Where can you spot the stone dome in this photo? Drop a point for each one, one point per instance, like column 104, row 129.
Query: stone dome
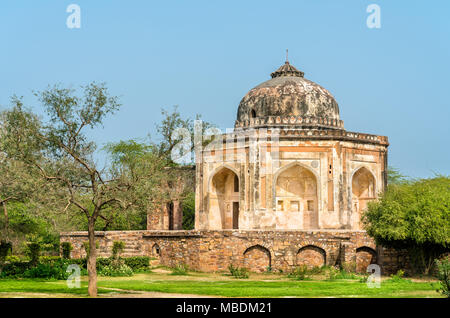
column 288, row 99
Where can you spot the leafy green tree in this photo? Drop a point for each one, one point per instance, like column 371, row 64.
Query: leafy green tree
column 394, row 176
column 60, row 150
column 413, row 215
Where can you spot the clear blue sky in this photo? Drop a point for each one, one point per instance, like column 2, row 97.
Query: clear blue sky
column 205, row 55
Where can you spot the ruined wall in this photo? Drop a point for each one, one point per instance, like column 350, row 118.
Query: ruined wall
column 256, row 250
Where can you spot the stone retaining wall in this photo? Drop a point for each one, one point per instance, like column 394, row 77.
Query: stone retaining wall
column 257, row 250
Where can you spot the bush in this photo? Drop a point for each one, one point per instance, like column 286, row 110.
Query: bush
column 333, row 273
column 138, row 263
column 14, row 269
column 66, row 248
column 181, row 269
column 238, row 272
column 397, row 277
column 118, row 247
column 86, row 246
column 443, row 274
column 117, row 267
column 45, row 271
column 33, row 251
column 299, row 273
column 5, row 249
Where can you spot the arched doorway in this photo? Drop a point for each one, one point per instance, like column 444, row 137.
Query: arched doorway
column 311, row 256
column 296, row 191
column 364, row 257
column 257, row 259
column 224, row 200
column 363, row 191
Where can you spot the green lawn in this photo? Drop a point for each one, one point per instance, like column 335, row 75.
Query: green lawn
column 259, row 285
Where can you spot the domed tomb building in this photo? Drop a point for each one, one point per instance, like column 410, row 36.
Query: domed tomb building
column 289, row 164
column 285, row 187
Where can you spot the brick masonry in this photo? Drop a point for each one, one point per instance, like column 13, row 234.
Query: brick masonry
column 257, row 250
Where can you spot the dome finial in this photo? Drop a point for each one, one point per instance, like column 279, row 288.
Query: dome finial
column 287, row 69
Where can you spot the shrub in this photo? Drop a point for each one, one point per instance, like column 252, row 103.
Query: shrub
column 180, row 269
column 5, row 249
column 44, row 271
column 443, row 274
column 14, row 269
column 12, row 259
column 33, row 251
column 397, row 277
column 238, row 272
column 299, row 273
column 66, row 248
column 117, row 267
column 118, row 247
column 333, row 273
column 138, row 263
column 86, row 246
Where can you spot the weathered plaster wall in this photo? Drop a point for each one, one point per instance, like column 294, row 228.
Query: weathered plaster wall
column 259, row 160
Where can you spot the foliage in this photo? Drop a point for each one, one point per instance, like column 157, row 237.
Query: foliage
column 413, row 215
column 116, row 268
column 189, row 211
column 117, row 249
column 34, row 246
column 394, row 176
column 238, row 272
column 66, row 249
column 299, row 273
column 180, row 269
column 5, row 249
column 87, row 247
column 443, row 274
column 138, row 263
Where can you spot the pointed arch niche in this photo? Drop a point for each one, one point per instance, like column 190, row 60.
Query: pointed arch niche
column 296, row 193
column 363, row 191
column 224, row 200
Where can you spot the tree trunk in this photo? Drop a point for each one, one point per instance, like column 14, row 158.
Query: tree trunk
column 92, row 260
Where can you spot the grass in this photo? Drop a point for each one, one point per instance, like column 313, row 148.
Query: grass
column 43, row 286
column 218, row 284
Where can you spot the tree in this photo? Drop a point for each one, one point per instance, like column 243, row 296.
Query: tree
column 394, row 176
column 60, row 151
column 413, row 215
column 157, row 179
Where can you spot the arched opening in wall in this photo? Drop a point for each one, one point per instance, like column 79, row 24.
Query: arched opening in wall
column 224, row 199
column 364, row 257
column 257, row 259
column 252, row 113
column 363, row 191
column 156, row 250
column 311, row 256
column 296, row 191
column 171, row 215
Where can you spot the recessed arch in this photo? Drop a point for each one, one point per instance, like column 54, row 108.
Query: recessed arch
column 363, row 190
column 257, row 258
column 224, row 198
column 296, row 190
column 364, row 257
column 156, row 250
column 311, row 256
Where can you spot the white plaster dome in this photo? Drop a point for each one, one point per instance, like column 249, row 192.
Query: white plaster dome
column 288, row 99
